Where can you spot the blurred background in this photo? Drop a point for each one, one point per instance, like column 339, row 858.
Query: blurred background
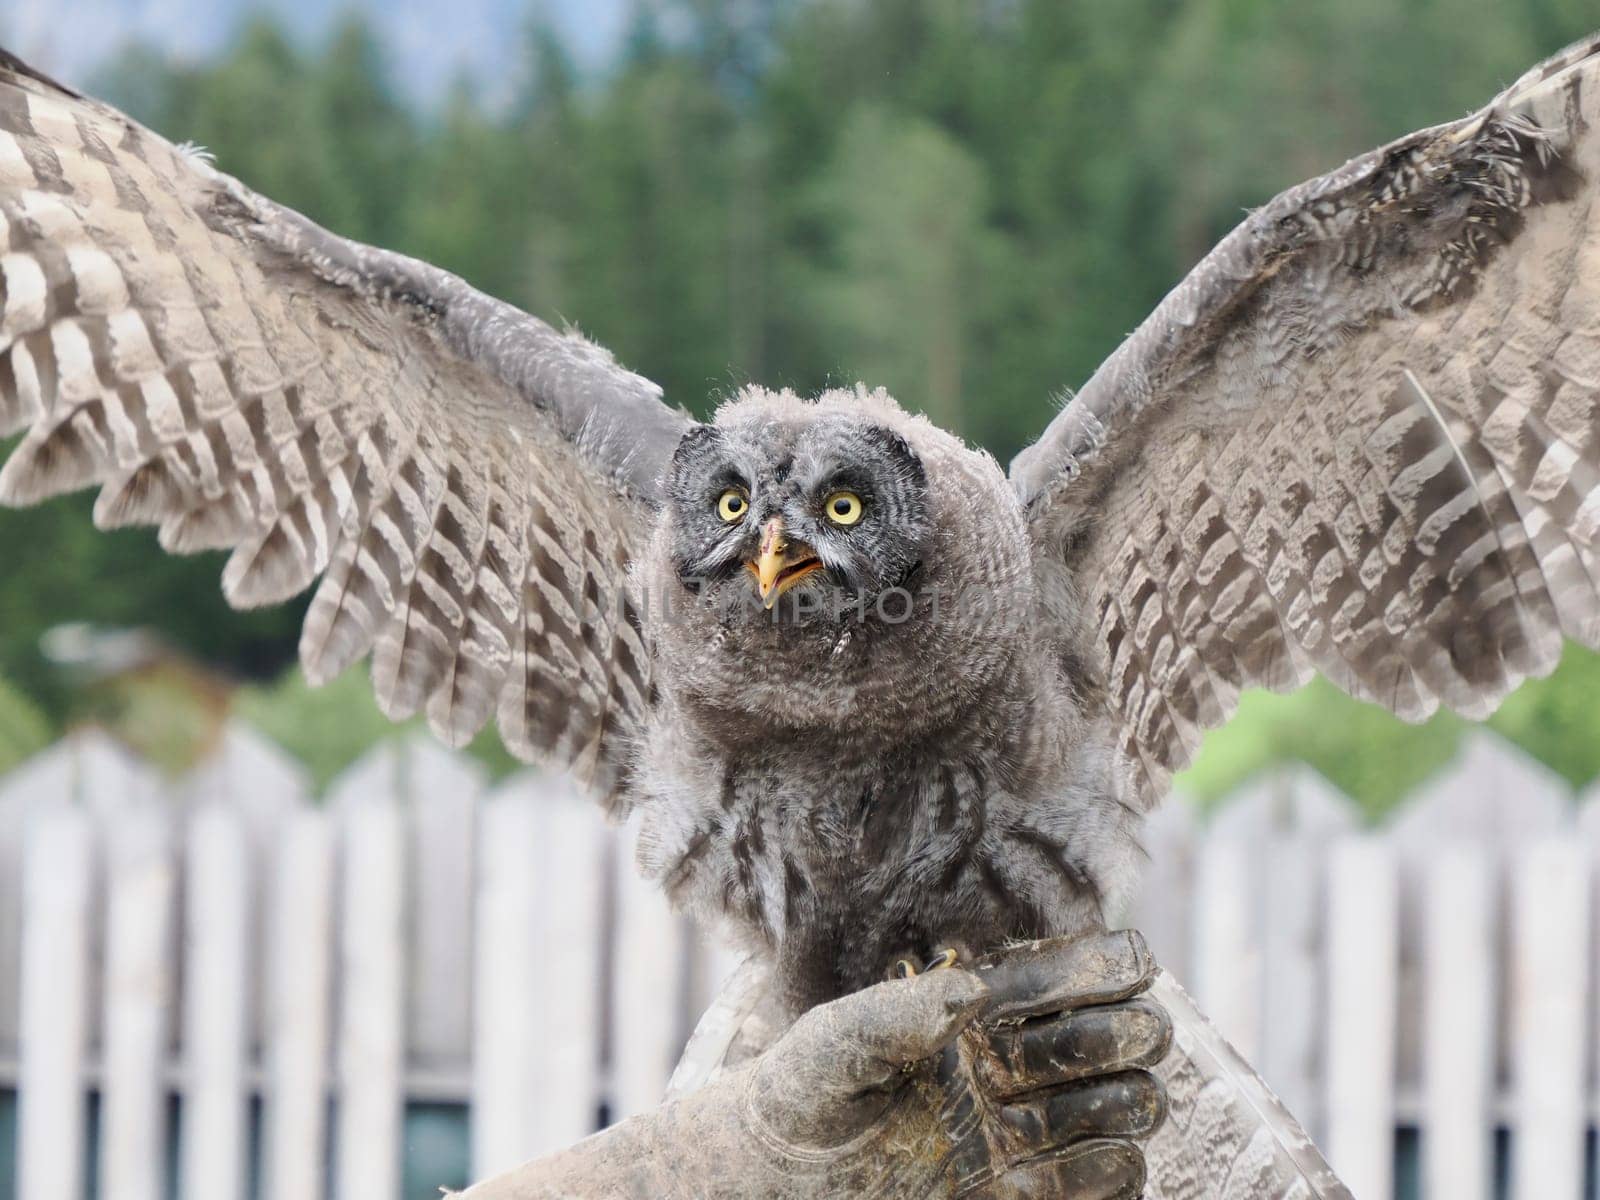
column 968, row 202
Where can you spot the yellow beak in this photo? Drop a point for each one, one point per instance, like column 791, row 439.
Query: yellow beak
column 778, row 566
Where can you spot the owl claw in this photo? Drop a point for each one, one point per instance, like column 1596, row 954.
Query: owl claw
column 906, row 969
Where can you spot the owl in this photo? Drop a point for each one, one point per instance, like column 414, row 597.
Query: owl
column 873, row 699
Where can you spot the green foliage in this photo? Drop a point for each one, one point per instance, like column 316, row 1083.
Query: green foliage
column 326, row 728
column 908, row 209
column 968, row 203
column 23, row 728
column 1360, row 748
column 330, row 727
column 1558, row 719
column 58, row 568
column 1378, row 759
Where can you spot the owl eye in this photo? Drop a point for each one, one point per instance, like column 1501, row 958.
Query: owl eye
column 731, row 505
column 843, row 508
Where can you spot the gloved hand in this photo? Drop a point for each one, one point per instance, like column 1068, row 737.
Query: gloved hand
column 1019, row 1078
column 1057, row 1060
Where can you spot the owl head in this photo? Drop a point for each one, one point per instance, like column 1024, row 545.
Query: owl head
column 796, row 518
column 818, row 558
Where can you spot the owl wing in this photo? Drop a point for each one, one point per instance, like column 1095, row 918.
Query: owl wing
column 1362, row 438
column 470, row 483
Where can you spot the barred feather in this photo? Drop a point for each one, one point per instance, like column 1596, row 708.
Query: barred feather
column 1361, row 438
column 230, row 372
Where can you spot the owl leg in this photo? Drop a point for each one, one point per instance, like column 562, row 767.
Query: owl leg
column 906, row 969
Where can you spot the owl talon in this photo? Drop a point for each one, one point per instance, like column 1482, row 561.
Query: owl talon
column 906, row 969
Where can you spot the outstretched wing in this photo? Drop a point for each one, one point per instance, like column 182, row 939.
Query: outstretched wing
column 1362, row 438
column 470, row 483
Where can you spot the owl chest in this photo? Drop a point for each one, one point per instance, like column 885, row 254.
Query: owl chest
column 836, row 864
column 808, row 843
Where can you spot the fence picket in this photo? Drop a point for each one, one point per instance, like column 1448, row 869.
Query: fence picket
column 57, row 886
column 538, row 972
column 87, row 769
column 1285, row 822
column 1227, row 953
column 506, row 980
column 253, row 777
column 1291, row 1002
column 1458, row 1023
column 1588, row 827
column 141, row 898
column 1495, row 796
column 441, row 791
column 44, row 779
column 371, row 1047
column 572, row 936
column 1162, row 906
column 416, row 939
column 649, row 987
column 1550, row 890
column 217, row 974
column 1363, row 907
column 300, row 948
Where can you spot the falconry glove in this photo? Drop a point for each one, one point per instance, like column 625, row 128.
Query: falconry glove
column 1023, row 1077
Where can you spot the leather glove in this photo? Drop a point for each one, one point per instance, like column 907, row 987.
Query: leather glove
column 1020, row 1078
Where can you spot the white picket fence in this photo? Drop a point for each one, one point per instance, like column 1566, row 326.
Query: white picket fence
column 419, row 936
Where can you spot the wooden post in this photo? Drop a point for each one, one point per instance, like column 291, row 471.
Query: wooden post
column 540, row 913
column 1588, row 828
column 297, row 1018
column 371, row 1014
column 1458, row 1026
column 1493, row 797
column 43, row 782
column 1363, row 907
column 440, row 791
column 262, row 786
column 1227, row 953
column 504, row 1084
column 648, row 987
column 1550, row 922
column 1284, row 824
column 141, row 899
column 57, row 884
column 212, row 1161
column 1162, row 907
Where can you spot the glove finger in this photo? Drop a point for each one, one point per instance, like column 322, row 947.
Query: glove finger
column 865, row 1039
column 1062, row 973
column 1098, row 1170
column 1089, row 1041
column 1130, row 1105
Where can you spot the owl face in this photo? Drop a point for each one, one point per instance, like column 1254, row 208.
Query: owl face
column 790, row 518
column 833, row 567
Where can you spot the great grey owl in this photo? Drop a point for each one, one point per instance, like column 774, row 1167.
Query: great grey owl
column 874, row 696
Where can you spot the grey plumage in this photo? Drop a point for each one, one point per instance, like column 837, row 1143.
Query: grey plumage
column 1360, row 438
column 468, row 481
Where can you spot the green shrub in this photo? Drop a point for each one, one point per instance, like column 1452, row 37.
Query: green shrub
column 23, row 728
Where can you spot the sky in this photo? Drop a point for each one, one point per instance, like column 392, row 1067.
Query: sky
column 430, row 42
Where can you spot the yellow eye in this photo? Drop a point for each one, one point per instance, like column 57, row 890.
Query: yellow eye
column 731, row 505
column 843, row 508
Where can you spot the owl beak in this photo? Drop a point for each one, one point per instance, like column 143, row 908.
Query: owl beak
column 780, row 564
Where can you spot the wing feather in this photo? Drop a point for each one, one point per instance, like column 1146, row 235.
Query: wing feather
column 1361, row 438
column 470, row 484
